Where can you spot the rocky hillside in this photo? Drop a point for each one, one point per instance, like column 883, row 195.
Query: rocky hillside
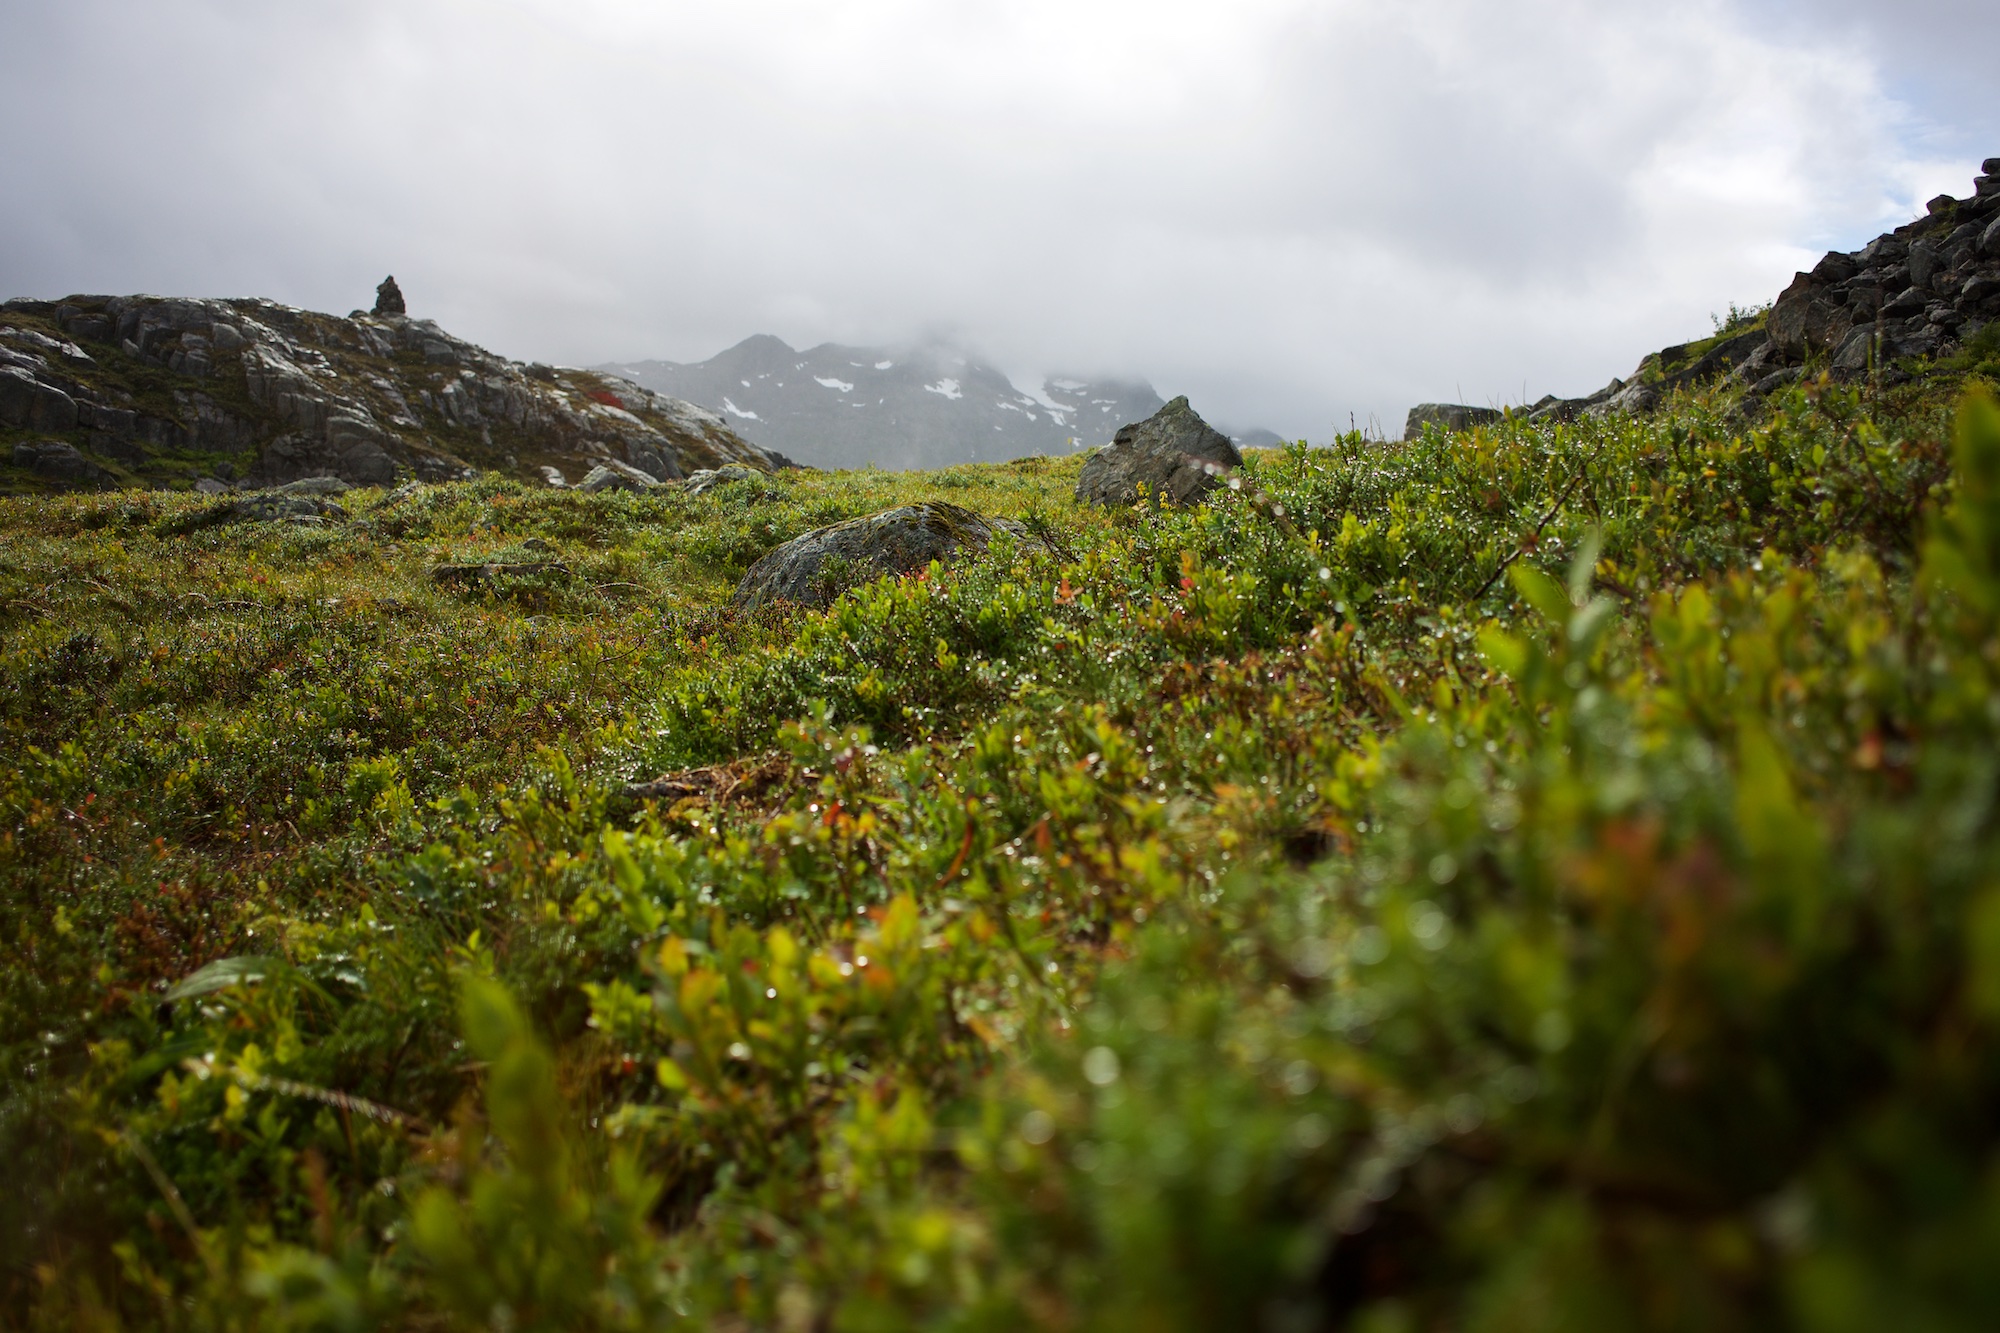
column 833, row 406
column 1925, row 290
column 143, row 390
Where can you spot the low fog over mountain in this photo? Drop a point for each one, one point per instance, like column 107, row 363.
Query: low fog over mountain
column 833, row 406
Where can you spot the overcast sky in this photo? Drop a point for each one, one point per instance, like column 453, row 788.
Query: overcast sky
column 1292, row 211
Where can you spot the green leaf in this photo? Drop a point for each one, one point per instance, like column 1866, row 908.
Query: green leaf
column 1587, row 626
column 489, row 1018
column 1983, row 944
column 1582, row 566
column 1541, row 592
column 1508, row 654
column 224, row 973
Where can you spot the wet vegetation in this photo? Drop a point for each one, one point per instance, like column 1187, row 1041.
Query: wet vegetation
column 1540, row 878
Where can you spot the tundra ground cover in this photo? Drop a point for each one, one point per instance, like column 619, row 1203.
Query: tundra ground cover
column 1536, row 878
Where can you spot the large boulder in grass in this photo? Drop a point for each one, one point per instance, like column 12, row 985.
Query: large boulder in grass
column 815, row 569
column 615, row 476
column 1174, row 454
column 1450, row 417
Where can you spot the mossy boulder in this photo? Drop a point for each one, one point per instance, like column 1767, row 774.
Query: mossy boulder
column 815, row 569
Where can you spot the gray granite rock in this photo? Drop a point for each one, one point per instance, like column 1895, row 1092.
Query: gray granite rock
column 1774, row 381
column 1856, row 351
column 17, row 394
column 554, row 477
column 313, row 486
column 1926, row 262
column 56, row 460
column 1634, row 398
column 615, row 476
column 54, row 410
column 1173, row 454
column 1451, row 417
column 279, row 506
column 708, row 479
column 1904, row 304
column 816, row 568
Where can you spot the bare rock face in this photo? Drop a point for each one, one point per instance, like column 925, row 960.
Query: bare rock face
column 815, row 569
column 372, row 399
column 1173, row 454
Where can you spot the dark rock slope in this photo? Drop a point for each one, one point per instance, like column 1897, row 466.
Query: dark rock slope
column 1920, row 291
column 153, row 391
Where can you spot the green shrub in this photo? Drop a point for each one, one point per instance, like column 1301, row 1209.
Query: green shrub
column 1534, row 878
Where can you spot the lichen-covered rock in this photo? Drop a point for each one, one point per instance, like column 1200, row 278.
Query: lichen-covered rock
column 279, row 506
column 1174, row 454
column 315, row 486
column 617, row 477
column 815, row 569
column 708, row 479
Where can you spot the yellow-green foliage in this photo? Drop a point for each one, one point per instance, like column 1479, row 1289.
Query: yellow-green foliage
column 1544, row 878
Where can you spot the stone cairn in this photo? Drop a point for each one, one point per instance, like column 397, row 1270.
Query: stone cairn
column 389, row 298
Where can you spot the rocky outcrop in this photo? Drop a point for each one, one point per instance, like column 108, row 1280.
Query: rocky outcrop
column 815, row 569
column 1173, row 454
column 1919, row 291
column 271, row 393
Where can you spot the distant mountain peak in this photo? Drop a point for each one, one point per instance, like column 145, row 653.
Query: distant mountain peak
column 923, row 405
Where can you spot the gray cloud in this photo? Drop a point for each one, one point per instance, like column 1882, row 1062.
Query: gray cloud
column 1293, row 210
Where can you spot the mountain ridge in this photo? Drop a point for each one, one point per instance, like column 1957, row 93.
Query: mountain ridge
column 915, row 406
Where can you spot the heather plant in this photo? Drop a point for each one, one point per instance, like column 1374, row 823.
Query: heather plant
column 1538, row 877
